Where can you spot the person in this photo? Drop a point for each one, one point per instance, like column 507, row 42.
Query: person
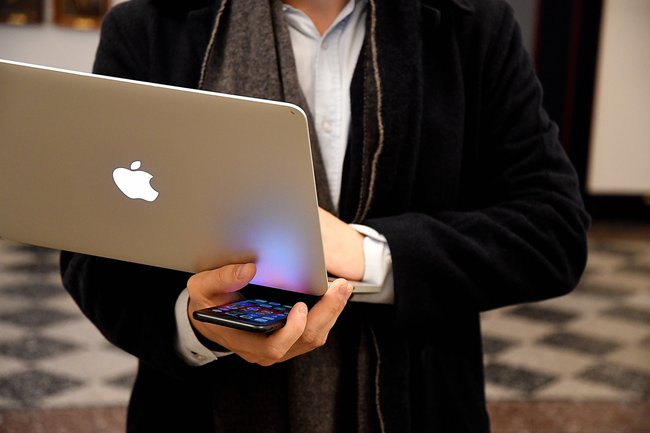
column 439, row 175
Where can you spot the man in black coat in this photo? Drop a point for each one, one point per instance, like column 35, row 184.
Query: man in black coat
column 450, row 160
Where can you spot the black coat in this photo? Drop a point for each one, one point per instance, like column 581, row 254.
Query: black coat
column 474, row 194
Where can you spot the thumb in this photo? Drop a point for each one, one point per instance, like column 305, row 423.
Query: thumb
column 225, row 279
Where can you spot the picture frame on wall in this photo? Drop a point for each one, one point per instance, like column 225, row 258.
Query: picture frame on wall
column 80, row 14
column 21, row 12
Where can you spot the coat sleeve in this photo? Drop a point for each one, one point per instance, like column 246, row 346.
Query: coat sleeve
column 132, row 305
column 520, row 233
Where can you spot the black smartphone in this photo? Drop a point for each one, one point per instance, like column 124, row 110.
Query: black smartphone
column 255, row 315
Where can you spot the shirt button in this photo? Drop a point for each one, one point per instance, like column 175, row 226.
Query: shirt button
column 327, row 127
column 325, row 45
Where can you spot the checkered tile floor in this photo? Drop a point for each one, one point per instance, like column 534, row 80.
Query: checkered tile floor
column 50, row 355
column 592, row 345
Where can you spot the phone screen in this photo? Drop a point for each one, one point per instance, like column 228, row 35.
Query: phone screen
column 257, row 315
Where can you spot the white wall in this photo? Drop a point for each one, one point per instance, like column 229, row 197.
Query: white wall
column 49, row 45
column 620, row 140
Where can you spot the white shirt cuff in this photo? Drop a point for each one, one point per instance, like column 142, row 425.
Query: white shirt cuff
column 188, row 347
column 378, row 267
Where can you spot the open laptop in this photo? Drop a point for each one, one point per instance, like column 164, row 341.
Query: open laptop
column 164, row 176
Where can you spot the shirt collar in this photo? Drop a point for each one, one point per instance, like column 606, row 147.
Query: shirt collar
column 298, row 19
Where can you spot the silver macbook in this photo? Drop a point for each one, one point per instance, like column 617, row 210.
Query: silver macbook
column 164, row 176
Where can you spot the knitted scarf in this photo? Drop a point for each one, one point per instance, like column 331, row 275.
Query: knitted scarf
column 332, row 389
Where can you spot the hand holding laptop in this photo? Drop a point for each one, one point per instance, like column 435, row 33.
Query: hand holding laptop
column 343, row 247
column 344, row 255
column 303, row 332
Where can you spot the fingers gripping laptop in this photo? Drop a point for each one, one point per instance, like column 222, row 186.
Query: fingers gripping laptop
column 170, row 177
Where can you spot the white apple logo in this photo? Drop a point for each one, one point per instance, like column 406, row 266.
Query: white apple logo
column 134, row 183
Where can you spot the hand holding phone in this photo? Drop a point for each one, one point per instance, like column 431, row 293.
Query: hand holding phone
column 303, row 330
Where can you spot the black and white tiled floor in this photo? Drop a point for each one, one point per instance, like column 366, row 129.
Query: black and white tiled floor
column 592, row 345
column 50, row 355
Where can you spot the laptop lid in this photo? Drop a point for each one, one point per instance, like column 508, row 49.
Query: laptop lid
column 153, row 174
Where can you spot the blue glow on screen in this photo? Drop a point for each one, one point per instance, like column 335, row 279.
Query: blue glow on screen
column 280, row 263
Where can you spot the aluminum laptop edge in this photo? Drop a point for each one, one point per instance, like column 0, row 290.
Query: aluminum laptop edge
column 164, row 176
